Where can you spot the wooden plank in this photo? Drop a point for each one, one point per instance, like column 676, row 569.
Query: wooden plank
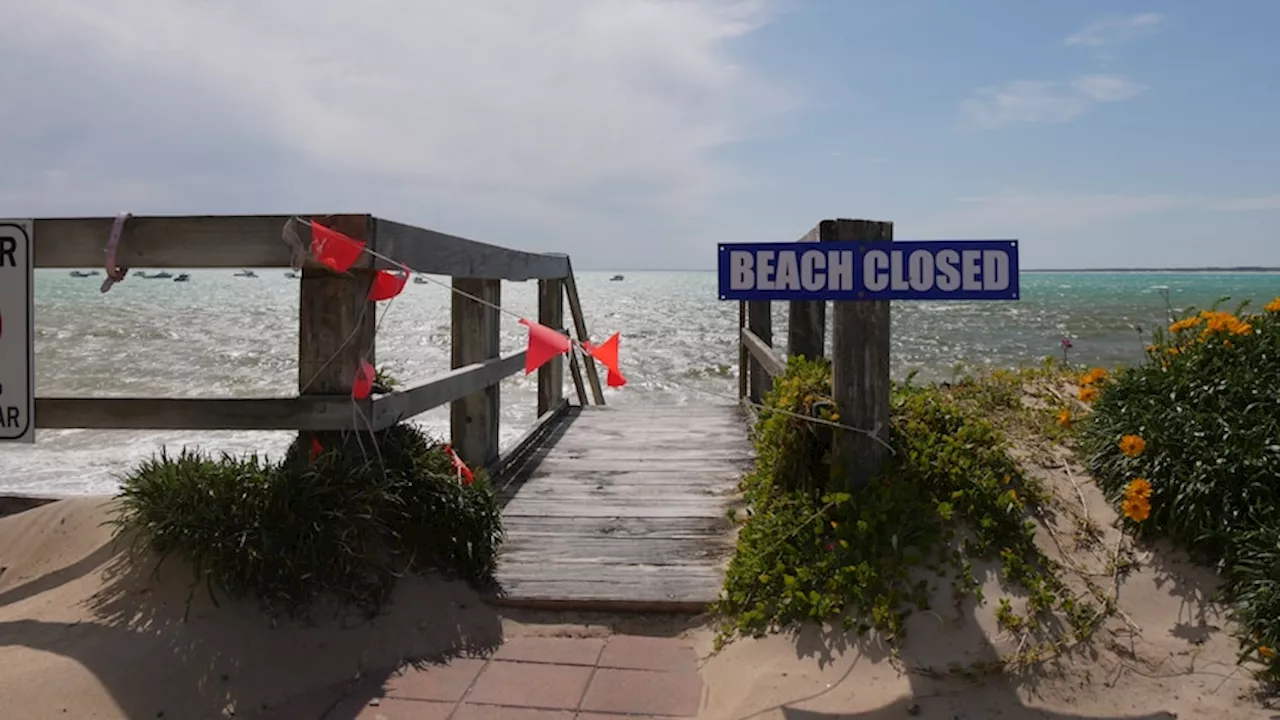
column 588, row 528
column 192, row 241
column 549, row 464
column 860, row 369
column 526, row 449
column 436, row 253
column 565, row 586
column 552, row 507
column 576, row 373
column 580, row 325
column 532, row 549
column 743, row 356
column 760, row 324
column 807, row 320
column 764, row 356
column 453, row 385
column 316, row 413
column 551, row 314
column 718, row 473
column 476, row 339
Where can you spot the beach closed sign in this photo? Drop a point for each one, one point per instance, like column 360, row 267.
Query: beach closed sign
column 908, row 270
column 17, row 356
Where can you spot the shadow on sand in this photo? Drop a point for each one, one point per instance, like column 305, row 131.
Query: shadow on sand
column 161, row 648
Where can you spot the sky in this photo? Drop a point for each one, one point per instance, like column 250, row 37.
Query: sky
column 638, row 134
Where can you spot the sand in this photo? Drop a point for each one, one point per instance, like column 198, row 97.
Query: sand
column 86, row 631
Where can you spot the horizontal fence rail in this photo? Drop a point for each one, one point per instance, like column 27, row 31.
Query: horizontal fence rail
column 337, row 326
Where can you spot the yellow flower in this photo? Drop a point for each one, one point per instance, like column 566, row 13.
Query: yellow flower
column 1093, row 376
column 1185, row 324
column 1266, row 652
column 1138, row 489
column 1088, row 394
column 1175, row 350
column 1132, row 445
column 1273, row 306
column 1064, row 418
column 1242, row 328
column 1151, row 348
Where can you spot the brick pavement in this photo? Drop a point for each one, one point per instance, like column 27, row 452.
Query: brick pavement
column 531, row 678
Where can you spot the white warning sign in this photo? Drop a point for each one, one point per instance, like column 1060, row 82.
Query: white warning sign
column 17, row 332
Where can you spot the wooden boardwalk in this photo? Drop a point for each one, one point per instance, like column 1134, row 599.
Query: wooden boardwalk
column 625, row 508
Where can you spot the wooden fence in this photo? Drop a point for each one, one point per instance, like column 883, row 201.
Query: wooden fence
column 336, row 328
column 859, row 356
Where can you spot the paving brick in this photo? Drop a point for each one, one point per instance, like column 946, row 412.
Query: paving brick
column 533, row 685
column 469, row 711
column 635, row 652
column 563, row 651
column 392, row 709
column 446, row 683
column 644, row 692
column 602, row 716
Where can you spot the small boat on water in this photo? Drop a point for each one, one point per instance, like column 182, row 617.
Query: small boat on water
column 162, row 275
column 83, row 274
column 181, row 278
column 419, row 280
column 247, row 274
column 292, row 275
column 616, row 278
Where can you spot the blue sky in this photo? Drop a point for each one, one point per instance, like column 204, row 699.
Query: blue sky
column 639, row 133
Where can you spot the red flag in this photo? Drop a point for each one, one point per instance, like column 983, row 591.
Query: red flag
column 387, row 284
column 362, row 386
column 607, row 354
column 333, row 249
column 316, row 448
column 544, row 344
column 459, row 467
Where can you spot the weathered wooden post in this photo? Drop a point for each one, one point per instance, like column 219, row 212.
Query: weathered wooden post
column 551, row 314
column 473, row 420
column 760, row 323
column 336, row 320
column 807, row 319
column 860, row 369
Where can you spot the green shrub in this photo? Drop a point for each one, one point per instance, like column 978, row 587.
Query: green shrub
column 1206, row 404
column 346, row 524
column 951, row 493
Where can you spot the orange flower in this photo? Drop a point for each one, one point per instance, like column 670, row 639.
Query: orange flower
column 1266, row 652
column 1136, row 509
column 1088, row 394
column 1064, row 418
column 1093, row 377
column 1132, row 445
column 1175, row 350
column 1138, row 488
column 1273, row 306
column 1185, row 324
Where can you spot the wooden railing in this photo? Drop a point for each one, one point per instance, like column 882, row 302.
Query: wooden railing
column 859, row 355
column 336, row 328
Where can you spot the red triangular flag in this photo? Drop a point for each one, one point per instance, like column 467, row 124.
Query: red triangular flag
column 544, row 344
column 607, row 354
column 316, row 448
column 387, row 284
column 362, row 386
column 459, row 467
column 333, row 249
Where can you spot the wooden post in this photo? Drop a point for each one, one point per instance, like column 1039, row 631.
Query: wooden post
column 860, row 370
column 807, row 320
column 551, row 314
column 760, row 323
column 336, row 321
column 473, row 420
column 744, row 356
column 580, row 324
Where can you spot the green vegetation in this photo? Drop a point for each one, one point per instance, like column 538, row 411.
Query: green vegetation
column 346, row 523
column 951, row 495
column 1189, row 444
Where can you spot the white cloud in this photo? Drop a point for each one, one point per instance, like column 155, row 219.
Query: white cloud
column 1015, row 213
column 1025, row 101
column 505, row 105
column 1115, row 29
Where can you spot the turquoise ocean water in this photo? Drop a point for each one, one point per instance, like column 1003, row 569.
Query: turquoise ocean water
column 225, row 336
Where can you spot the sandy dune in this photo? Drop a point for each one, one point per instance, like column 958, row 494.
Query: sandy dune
column 86, row 632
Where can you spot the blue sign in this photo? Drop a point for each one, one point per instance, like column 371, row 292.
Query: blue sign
column 913, row 270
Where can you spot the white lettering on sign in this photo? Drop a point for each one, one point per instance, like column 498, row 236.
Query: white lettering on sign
column 922, row 270
column 810, row 270
column 17, row 357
